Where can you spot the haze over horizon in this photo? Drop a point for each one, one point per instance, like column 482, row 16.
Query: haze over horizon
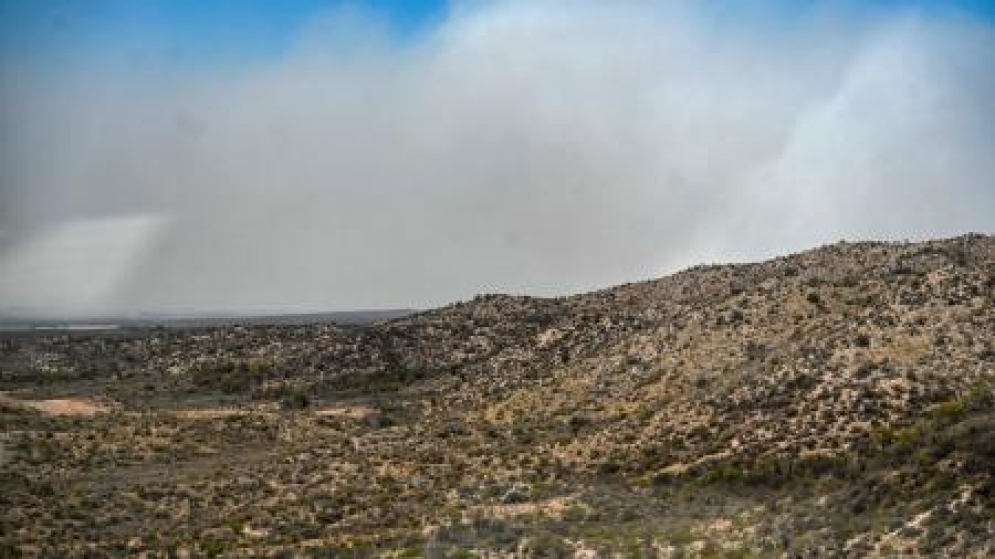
column 321, row 156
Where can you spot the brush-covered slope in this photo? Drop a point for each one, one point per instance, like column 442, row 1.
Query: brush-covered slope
column 837, row 402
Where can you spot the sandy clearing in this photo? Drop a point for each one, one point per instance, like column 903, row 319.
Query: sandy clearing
column 210, row 413
column 550, row 507
column 349, row 412
column 60, row 406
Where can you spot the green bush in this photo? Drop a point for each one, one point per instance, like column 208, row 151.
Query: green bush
column 295, row 400
column 949, row 411
column 229, row 376
column 391, row 380
column 724, row 473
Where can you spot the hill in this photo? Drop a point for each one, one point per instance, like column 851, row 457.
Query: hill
column 837, row 402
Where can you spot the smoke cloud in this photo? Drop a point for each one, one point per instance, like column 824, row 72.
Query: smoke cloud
column 542, row 148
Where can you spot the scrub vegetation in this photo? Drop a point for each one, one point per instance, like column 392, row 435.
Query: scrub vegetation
column 834, row 403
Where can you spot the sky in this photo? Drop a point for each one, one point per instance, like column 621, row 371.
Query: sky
column 305, row 155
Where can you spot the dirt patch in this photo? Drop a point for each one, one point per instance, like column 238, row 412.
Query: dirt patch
column 210, row 413
column 348, row 412
column 59, row 406
column 554, row 507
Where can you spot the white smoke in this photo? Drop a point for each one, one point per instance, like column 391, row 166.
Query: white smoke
column 76, row 267
column 539, row 147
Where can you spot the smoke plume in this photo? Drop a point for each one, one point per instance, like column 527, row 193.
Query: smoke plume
column 540, row 148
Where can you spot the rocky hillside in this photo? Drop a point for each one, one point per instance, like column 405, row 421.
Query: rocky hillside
column 837, row 402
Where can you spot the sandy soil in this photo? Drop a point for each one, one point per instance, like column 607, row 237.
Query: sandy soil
column 60, row 406
column 350, row 412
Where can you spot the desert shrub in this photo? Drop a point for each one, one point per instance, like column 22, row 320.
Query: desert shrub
column 974, row 439
column 766, row 470
column 547, row 546
column 700, row 431
column 679, row 537
column 723, row 473
column 574, row 513
column 412, row 552
column 214, row 547
column 962, row 429
column 390, row 380
column 577, row 422
column 820, row 465
column 899, row 439
column 755, row 351
column 295, row 400
column 229, row 376
column 609, row 468
column 949, row 411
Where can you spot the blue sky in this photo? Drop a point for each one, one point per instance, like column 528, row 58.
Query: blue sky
column 195, row 31
column 184, row 31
